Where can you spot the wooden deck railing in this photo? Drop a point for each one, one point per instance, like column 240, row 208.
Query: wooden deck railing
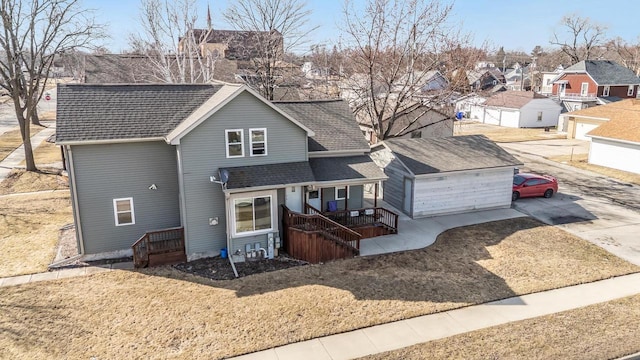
column 303, row 242
column 156, row 243
column 365, row 217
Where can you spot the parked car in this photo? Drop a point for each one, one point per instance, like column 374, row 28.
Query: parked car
column 530, row 185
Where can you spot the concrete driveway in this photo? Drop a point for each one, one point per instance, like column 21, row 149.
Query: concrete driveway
column 549, row 148
column 594, row 207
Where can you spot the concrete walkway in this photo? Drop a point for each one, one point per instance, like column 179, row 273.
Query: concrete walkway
column 63, row 274
column 14, row 159
column 420, row 233
column 400, row 334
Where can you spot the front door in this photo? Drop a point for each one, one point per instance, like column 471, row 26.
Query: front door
column 406, row 203
column 562, row 88
column 314, row 198
column 293, row 198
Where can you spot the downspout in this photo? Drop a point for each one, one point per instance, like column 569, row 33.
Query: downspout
column 74, row 195
column 227, row 199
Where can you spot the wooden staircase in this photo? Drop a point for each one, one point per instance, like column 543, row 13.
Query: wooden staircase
column 159, row 247
column 316, row 238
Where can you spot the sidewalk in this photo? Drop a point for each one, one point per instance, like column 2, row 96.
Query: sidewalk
column 64, row 273
column 426, row 328
column 14, row 159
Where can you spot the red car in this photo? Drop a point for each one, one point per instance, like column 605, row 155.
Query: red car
column 530, row 185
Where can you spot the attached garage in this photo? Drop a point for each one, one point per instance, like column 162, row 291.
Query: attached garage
column 430, row 177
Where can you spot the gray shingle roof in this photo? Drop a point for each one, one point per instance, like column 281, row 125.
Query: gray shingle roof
column 332, row 121
column 269, row 175
column 430, row 156
column 110, row 112
column 605, row 72
column 345, row 168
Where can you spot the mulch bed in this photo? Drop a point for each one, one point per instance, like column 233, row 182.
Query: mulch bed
column 217, row 268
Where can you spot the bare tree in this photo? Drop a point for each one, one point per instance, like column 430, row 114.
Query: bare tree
column 581, row 38
column 625, row 53
column 171, row 42
column 275, row 27
column 395, row 47
column 34, row 32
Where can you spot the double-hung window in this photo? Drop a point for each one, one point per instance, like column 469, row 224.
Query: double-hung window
column 123, row 211
column 630, row 90
column 252, row 214
column 605, row 91
column 539, row 115
column 234, row 140
column 258, row 138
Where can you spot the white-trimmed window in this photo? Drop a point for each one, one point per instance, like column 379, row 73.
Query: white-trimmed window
column 539, row 115
column 234, row 139
column 258, row 141
column 252, row 214
column 630, row 90
column 342, row 192
column 123, row 211
column 605, row 91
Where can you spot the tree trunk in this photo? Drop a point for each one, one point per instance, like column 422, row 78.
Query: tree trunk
column 35, row 119
column 25, row 132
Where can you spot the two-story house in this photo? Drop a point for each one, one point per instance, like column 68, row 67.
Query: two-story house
column 216, row 164
column 581, row 85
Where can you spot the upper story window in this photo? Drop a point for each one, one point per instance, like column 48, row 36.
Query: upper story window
column 630, row 90
column 235, row 143
column 258, row 138
column 123, row 211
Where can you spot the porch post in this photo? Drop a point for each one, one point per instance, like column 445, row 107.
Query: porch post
column 375, row 195
column 346, row 199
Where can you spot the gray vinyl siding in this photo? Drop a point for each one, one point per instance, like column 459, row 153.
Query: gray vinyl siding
column 356, row 193
column 393, row 187
column 203, row 152
column 112, row 171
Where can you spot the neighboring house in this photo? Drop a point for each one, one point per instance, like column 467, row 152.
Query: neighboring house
column 471, row 105
column 577, row 124
column 429, row 177
column 422, row 81
column 518, row 79
column 484, row 78
column 580, row 85
column 616, row 143
column 520, row 109
column 236, row 44
column 413, row 121
column 217, row 161
column 547, row 78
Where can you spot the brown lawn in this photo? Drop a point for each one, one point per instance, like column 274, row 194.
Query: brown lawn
column 163, row 313
column 603, row 331
column 21, row 181
column 29, row 226
column 11, row 140
column 46, row 154
column 505, row 134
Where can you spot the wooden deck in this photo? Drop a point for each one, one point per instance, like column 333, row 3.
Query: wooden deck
column 319, row 237
column 160, row 247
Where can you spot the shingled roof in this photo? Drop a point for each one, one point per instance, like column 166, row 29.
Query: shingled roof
column 624, row 120
column 332, row 121
column 513, row 99
column 106, row 112
column 605, row 72
column 457, row 153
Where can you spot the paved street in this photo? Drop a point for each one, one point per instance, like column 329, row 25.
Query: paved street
column 599, row 209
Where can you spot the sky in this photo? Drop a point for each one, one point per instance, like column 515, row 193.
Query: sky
column 513, row 24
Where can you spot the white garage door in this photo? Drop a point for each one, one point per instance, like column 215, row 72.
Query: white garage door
column 492, row 116
column 462, row 192
column 582, row 129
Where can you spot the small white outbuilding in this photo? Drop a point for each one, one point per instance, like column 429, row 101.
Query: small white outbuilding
column 520, row 109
